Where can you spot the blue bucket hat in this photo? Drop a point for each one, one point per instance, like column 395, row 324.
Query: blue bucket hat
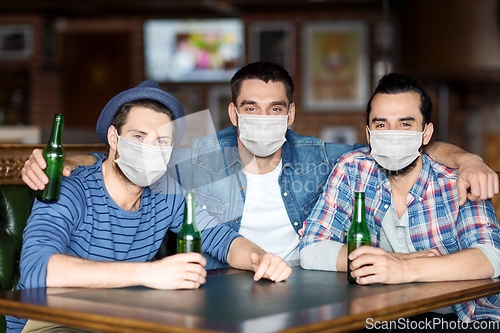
column 145, row 90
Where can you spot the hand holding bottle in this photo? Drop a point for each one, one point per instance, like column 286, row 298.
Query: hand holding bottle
column 180, row 271
column 375, row 265
column 53, row 155
column 359, row 233
column 32, row 172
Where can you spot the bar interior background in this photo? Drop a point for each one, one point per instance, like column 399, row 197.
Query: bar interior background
column 71, row 57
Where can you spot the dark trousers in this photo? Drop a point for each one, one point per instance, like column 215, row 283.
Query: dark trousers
column 431, row 322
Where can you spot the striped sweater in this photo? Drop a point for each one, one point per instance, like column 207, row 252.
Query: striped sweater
column 85, row 222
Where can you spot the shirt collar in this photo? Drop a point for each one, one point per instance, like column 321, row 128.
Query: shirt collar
column 419, row 188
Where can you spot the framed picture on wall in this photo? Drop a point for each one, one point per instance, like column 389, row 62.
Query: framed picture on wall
column 273, row 42
column 16, row 41
column 335, row 66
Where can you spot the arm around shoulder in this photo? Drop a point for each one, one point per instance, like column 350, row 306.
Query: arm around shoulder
column 34, row 176
column 335, row 150
column 473, row 173
column 74, row 161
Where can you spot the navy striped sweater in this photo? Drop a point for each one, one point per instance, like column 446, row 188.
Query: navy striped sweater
column 85, row 222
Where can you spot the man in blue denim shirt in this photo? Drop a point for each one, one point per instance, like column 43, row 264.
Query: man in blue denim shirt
column 262, row 185
column 220, row 182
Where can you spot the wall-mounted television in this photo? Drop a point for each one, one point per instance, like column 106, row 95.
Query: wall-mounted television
column 193, row 50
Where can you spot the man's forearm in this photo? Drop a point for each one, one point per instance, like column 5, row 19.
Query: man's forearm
column 74, row 161
column 447, row 154
column 476, row 181
column 450, row 267
column 68, row 271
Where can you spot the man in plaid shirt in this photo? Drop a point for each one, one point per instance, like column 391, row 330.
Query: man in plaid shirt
column 419, row 231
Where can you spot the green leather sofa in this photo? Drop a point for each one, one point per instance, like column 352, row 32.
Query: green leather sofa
column 15, row 208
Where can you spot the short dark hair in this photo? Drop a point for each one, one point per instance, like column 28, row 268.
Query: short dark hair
column 398, row 84
column 124, row 109
column 265, row 71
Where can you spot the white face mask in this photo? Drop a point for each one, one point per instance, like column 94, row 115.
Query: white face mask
column 395, row 150
column 142, row 164
column 262, row 135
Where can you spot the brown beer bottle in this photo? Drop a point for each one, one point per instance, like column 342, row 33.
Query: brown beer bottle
column 54, row 156
column 359, row 233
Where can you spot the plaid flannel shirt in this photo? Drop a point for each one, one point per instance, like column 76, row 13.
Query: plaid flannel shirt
column 436, row 221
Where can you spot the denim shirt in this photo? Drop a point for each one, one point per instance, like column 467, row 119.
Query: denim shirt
column 213, row 169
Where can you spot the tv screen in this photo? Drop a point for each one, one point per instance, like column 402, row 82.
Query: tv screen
column 209, row 50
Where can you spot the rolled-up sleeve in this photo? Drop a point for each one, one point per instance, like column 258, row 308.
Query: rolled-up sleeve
column 477, row 227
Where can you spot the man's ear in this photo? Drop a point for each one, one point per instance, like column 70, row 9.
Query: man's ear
column 112, row 137
column 429, row 129
column 367, row 135
column 231, row 110
column 291, row 114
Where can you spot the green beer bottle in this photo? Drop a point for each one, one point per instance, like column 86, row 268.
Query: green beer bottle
column 359, row 233
column 54, row 156
column 189, row 237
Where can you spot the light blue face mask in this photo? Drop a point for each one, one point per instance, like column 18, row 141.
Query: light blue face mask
column 394, row 150
column 262, row 135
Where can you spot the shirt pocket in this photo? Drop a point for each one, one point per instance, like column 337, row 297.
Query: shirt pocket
column 309, row 205
column 215, row 207
column 449, row 243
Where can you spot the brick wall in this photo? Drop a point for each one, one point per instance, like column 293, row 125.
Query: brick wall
column 41, row 95
column 46, row 66
column 131, row 26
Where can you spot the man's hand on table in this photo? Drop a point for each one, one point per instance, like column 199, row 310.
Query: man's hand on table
column 270, row 267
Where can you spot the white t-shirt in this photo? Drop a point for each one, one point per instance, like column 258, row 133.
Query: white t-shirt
column 265, row 221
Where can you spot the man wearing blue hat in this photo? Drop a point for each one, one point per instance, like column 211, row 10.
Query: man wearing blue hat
column 108, row 223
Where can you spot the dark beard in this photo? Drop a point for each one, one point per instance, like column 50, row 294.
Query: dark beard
column 401, row 172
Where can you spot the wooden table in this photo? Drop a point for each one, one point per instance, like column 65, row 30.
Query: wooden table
column 230, row 301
